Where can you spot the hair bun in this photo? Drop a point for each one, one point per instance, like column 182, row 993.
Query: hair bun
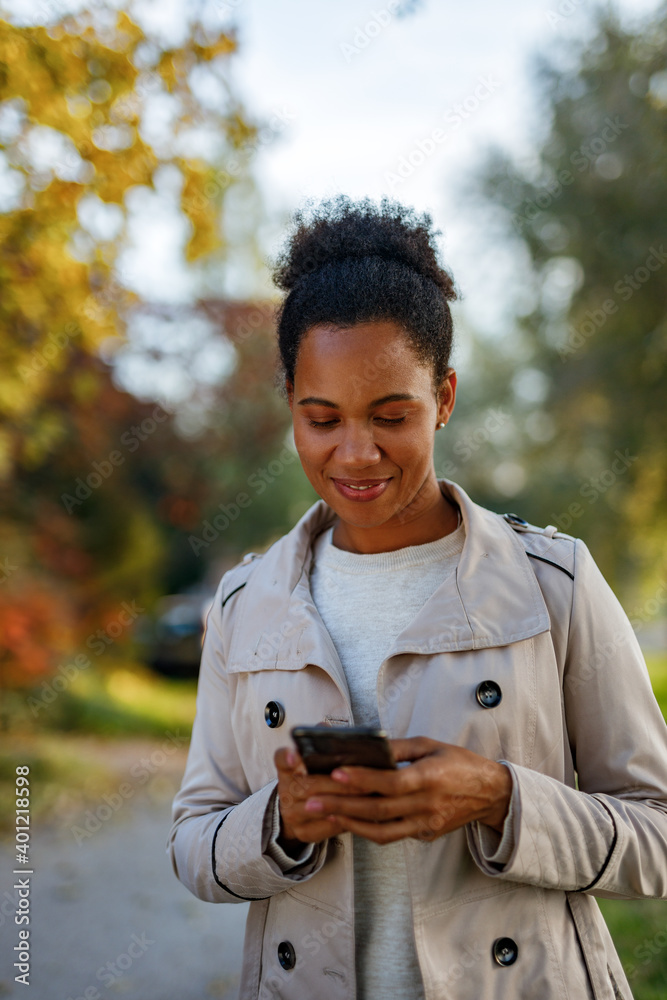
column 338, row 229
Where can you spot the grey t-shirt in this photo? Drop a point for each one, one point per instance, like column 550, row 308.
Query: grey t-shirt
column 365, row 601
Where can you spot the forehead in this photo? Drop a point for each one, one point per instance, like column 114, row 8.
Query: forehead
column 361, row 357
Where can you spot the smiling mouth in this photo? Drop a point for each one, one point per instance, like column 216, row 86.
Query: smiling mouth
column 361, row 484
column 361, row 489
column 353, row 486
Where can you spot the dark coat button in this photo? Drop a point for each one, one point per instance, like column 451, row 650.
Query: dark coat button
column 274, row 714
column 505, row 951
column 488, row 694
column 515, row 519
column 286, row 955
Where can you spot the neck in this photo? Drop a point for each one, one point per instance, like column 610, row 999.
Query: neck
column 428, row 517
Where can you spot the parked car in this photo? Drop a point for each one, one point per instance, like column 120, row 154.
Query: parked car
column 173, row 639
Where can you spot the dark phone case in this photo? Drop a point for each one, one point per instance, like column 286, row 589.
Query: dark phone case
column 325, row 747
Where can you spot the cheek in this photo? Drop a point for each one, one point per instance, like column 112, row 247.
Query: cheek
column 414, row 450
column 309, row 448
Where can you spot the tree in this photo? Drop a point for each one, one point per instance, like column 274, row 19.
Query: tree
column 79, row 138
column 587, row 219
column 77, row 100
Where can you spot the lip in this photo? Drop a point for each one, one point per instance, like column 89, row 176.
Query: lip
column 374, row 488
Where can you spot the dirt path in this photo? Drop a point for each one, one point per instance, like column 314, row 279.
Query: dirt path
column 108, row 918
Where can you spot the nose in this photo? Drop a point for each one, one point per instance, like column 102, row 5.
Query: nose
column 357, row 448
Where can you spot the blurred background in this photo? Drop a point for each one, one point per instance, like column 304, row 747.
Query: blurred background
column 151, row 154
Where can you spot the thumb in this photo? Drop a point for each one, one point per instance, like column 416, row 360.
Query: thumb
column 287, row 759
column 413, row 748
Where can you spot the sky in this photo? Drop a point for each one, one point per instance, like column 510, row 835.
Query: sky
column 398, row 98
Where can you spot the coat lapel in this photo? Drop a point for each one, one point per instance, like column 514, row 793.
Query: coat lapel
column 493, row 599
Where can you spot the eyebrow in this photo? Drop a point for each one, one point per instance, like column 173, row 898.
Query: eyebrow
column 394, row 397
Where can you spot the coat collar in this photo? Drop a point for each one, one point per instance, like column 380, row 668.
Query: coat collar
column 493, row 600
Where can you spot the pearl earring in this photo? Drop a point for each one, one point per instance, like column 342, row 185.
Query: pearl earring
column 441, row 425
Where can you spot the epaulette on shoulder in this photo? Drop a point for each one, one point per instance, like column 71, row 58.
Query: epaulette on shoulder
column 547, row 545
column 237, row 577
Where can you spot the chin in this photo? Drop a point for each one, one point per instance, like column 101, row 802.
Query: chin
column 357, row 514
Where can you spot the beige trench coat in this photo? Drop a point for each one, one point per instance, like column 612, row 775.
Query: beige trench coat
column 577, row 722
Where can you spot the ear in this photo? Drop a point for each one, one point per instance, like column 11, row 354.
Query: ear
column 289, row 389
column 446, row 396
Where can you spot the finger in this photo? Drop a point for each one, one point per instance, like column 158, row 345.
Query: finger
column 298, row 787
column 365, row 780
column 313, row 831
column 367, row 807
column 379, row 833
column 420, row 827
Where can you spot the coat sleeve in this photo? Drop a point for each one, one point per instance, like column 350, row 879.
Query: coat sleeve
column 221, row 829
column 608, row 836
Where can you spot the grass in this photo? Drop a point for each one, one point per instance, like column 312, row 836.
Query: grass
column 639, row 931
column 73, row 742
column 126, row 700
column 657, row 668
column 639, row 926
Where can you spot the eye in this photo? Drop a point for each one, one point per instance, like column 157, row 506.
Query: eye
column 387, row 421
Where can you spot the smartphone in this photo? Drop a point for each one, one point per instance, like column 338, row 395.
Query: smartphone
column 324, row 748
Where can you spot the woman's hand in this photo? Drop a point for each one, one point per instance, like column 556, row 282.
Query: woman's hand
column 295, row 787
column 444, row 788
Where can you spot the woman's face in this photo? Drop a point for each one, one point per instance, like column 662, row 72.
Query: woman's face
column 365, row 413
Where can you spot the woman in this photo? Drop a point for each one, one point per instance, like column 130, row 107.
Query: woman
column 493, row 653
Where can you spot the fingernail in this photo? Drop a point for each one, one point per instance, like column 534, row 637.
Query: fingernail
column 339, row 775
column 313, row 805
column 291, row 758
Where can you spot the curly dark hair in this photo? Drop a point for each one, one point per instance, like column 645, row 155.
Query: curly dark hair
column 351, row 262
